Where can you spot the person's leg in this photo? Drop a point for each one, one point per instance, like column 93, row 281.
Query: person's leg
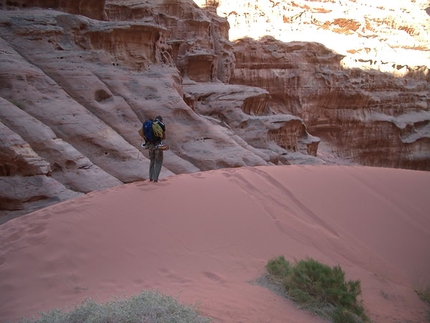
column 152, row 165
column 158, row 163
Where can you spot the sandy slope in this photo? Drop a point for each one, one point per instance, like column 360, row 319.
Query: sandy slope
column 206, row 236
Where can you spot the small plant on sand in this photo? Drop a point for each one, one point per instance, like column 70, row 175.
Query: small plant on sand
column 149, row 307
column 318, row 288
column 424, row 295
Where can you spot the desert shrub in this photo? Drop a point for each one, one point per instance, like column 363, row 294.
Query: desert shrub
column 319, row 288
column 149, row 307
column 424, row 295
column 279, row 267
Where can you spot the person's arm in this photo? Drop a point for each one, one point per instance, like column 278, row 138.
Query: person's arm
column 164, row 134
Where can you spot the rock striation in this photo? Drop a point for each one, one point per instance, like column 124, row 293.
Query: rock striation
column 77, row 79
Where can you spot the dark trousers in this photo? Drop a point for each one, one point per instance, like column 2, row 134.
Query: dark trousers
column 156, row 162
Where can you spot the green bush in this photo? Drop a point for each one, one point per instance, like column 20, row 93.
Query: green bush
column 424, row 294
column 319, row 288
column 279, row 267
column 148, row 307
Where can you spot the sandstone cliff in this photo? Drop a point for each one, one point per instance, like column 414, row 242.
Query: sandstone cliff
column 360, row 83
column 78, row 78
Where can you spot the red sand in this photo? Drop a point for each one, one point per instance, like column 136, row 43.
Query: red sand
column 206, row 236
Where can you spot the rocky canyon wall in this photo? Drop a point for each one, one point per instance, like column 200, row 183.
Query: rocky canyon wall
column 77, row 78
column 367, row 116
column 360, row 82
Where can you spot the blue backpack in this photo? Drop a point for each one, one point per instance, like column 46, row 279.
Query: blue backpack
column 147, row 131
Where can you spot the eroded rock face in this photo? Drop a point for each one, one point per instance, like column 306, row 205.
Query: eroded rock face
column 370, row 117
column 90, row 8
column 78, row 79
column 243, row 112
column 365, row 92
column 389, row 36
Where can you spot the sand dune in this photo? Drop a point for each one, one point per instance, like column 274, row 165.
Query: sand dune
column 207, row 236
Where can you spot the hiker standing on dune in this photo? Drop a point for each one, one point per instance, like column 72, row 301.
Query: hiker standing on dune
column 156, row 149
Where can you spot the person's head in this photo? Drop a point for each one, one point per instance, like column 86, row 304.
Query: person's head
column 159, row 118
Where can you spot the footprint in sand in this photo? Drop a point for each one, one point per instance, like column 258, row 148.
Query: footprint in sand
column 197, row 175
column 213, row 277
column 13, row 237
column 174, row 277
column 37, row 229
